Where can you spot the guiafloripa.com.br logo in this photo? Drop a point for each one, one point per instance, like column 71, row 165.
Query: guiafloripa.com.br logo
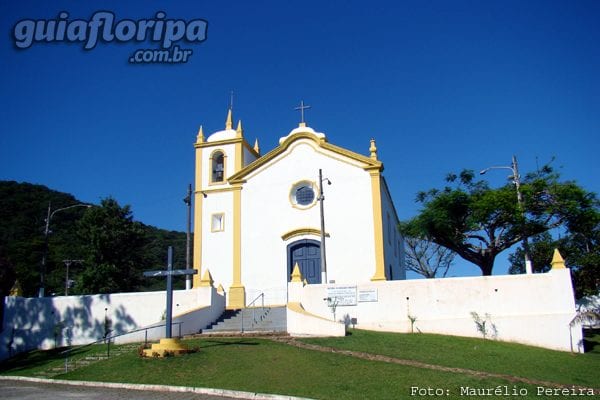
column 103, row 27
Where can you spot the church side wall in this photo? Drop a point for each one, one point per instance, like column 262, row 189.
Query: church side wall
column 530, row 309
column 392, row 240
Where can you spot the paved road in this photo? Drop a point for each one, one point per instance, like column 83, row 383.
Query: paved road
column 17, row 390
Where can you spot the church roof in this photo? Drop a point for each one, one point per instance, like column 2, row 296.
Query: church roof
column 305, row 132
column 225, row 134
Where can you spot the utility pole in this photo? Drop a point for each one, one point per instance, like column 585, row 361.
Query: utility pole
column 68, row 264
column 188, row 201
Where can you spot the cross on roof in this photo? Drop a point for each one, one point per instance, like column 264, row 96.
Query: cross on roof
column 302, row 107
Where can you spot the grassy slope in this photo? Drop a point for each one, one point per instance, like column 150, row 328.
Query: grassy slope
column 270, row 367
column 477, row 354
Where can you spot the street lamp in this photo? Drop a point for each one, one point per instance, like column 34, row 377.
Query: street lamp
column 321, row 198
column 517, row 181
column 46, row 232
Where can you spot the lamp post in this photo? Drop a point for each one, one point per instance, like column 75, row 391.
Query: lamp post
column 514, row 168
column 46, row 233
column 321, row 199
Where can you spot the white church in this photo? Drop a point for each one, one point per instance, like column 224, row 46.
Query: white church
column 259, row 240
column 258, row 215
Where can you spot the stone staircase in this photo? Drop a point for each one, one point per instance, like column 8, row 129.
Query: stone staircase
column 250, row 320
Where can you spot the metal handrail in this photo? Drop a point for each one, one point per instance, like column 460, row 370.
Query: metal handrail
column 107, row 340
column 261, row 295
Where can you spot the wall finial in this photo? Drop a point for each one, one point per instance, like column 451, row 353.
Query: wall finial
column 557, row 261
column 229, row 120
column 200, row 137
column 256, row 146
column 239, row 130
column 296, row 274
column 373, row 149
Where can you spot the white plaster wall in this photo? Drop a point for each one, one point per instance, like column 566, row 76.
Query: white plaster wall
column 217, row 247
column 392, row 240
column 267, row 214
column 530, row 309
column 80, row 319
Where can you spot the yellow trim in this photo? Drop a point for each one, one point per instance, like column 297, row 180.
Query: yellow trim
column 367, row 162
column 296, row 274
column 302, row 231
column 237, row 293
column 210, row 170
column 377, row 227
column 291, row 194
column 219, row 190
column 228, row 141
column 557, row 261
column 222, row 226
column 207, row 280
column 239, row 157
column 198, row 199
column 200, row 136
column 229, row 120
column 298, row 308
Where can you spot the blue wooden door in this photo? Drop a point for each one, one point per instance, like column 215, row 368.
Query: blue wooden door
column 307, row 253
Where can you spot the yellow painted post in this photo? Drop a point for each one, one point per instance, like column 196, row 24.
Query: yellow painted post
column 377, row 225
column 237, row 292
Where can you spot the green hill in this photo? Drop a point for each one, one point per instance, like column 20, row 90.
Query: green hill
column 23, row 211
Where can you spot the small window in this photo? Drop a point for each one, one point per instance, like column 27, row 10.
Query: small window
column 217, row 223
column 218, row 167
column 303, row 194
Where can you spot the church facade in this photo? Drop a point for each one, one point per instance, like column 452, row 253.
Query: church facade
column 258, row 216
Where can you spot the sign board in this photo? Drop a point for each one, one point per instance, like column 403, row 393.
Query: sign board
column 367, row 295
column 343, row 295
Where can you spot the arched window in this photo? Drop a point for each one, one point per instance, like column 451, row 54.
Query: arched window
column 218, row 167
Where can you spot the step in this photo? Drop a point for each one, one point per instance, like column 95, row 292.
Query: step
column 261, row 319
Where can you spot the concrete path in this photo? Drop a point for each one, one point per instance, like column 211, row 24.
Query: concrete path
column 21, row 388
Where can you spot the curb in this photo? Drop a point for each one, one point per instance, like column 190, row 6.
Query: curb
column 158, row 388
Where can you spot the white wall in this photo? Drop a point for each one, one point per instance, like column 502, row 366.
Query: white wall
column 31, row 323
column 530, row 309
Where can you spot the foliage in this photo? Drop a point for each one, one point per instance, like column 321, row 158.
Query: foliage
column 478, row 222
column 23, row 209
column 482, row 325
column 541, row 248
column 580, row 248
column 114, row 242
column 427, row 258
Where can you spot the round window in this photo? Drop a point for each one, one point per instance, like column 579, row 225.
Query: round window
column 303, row 194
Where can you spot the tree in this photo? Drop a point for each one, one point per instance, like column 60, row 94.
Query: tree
column 541, row 250
column 115, row 258
column 427, row 258
column 478, row 222
column 581, row 251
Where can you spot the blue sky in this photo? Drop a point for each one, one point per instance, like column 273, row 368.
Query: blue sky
column 441, row 85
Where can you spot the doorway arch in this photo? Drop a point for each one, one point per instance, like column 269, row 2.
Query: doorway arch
column 307, row 253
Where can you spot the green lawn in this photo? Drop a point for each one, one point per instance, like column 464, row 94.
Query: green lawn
column 478, row 354
column 265, row 366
